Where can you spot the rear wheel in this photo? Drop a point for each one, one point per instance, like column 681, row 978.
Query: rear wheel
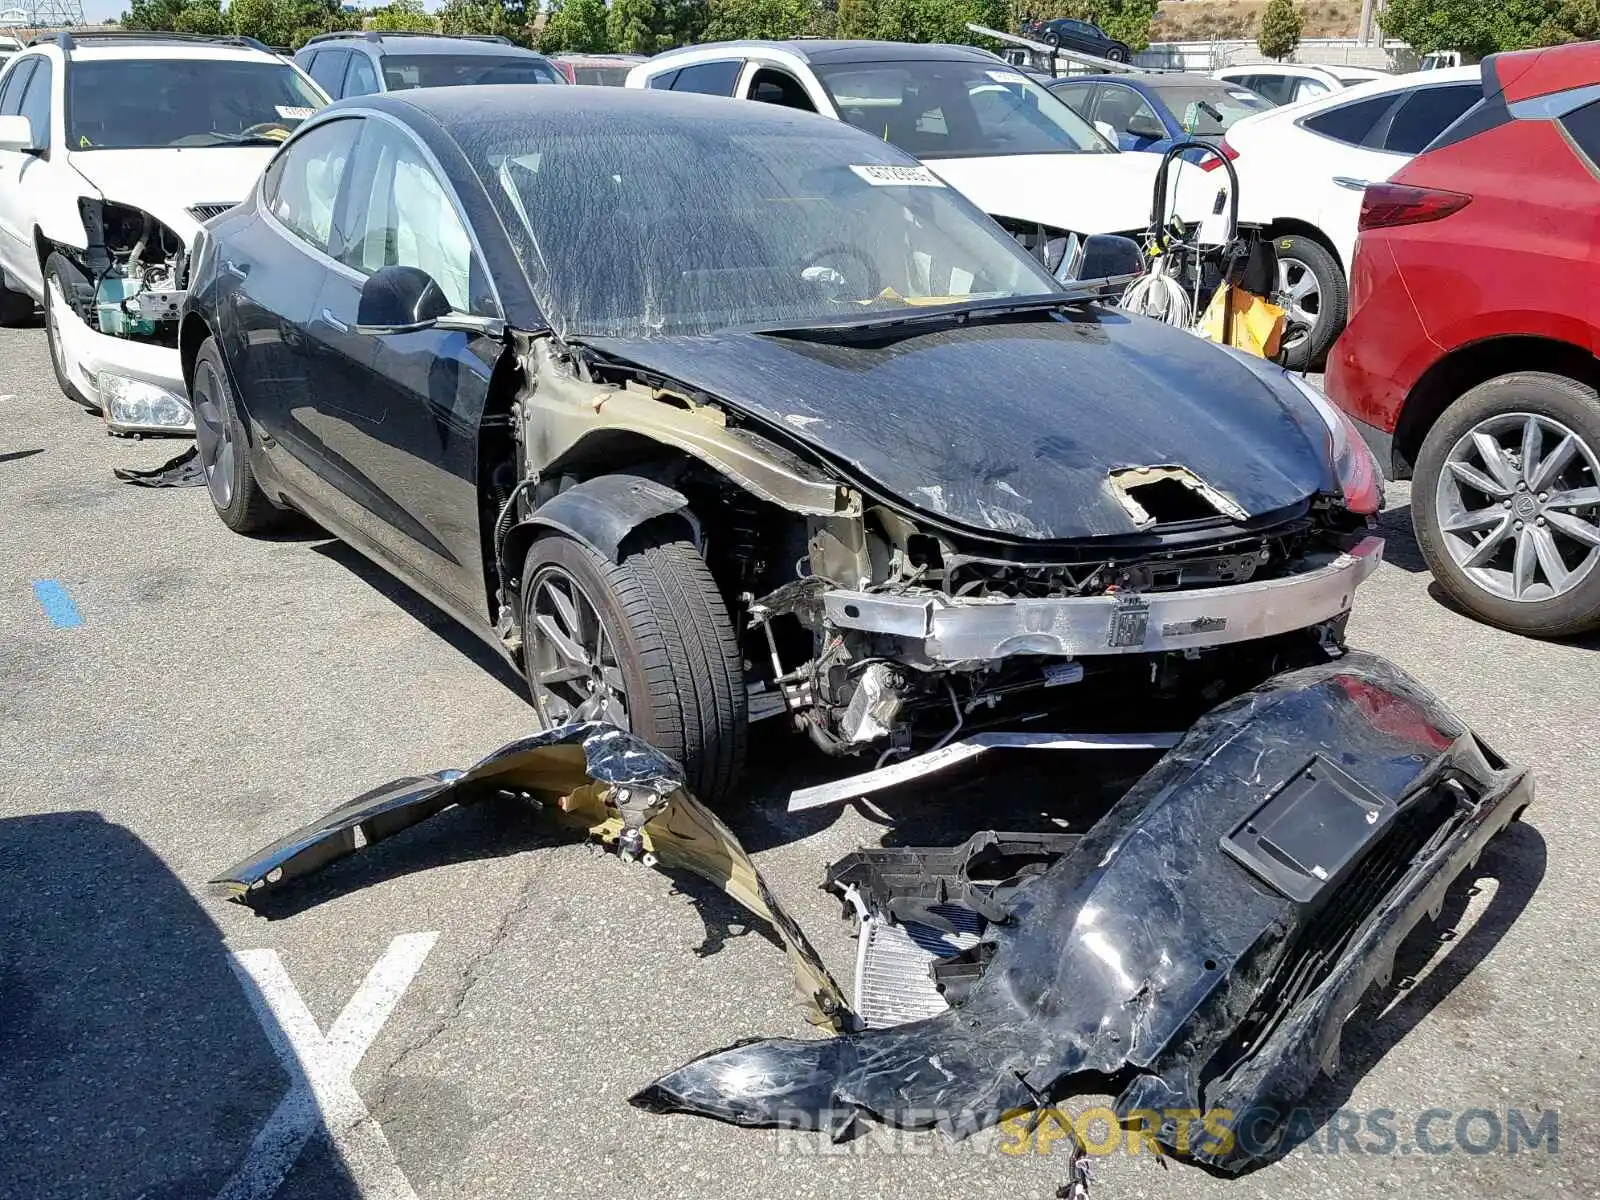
column 1117, row 54
column 645, row 644
column 1313, row 295
column 59, row 275
column 1506, row 503
column 219, row 438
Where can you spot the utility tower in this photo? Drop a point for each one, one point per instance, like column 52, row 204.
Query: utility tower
column 41, row 14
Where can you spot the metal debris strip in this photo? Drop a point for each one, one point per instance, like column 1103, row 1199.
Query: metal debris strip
column 591, row 777
column 183, row 471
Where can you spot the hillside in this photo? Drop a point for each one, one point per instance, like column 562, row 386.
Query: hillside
column 1201, row 20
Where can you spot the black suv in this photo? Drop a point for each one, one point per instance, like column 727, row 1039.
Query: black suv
column 359, row 63
column 1077, row 35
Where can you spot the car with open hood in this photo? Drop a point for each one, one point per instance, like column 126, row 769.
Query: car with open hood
column 115, row 146
column 704, row 411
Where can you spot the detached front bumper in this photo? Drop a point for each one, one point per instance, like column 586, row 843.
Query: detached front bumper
column 138, row 386
column 954, row 631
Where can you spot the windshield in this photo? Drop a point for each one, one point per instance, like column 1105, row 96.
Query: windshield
column 635, row 228
column 947, row 108
column 1208, row 109
column 137, row 104
column 402, row 71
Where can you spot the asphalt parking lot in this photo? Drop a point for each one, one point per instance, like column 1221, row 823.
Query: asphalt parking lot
column 471, row 1004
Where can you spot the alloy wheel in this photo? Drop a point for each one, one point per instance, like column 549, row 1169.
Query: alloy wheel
column 1518, row 505
column 213, row 435
column 1300, row 296
column 52, row 324
column 572, row 662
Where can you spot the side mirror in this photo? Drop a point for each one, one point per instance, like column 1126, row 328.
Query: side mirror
column 1105, row 256
column 399, row 298
column 16, row 134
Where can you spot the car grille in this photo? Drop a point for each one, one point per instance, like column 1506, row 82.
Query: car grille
column 204, row 212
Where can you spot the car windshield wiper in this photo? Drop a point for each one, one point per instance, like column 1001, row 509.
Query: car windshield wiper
column 911, row 318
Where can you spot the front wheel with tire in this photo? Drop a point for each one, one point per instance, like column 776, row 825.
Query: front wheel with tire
column 645, row 644
column 1506, row 503
column 1118, row 54
column 220, row 441
column 1314, row 297
column 59, row 275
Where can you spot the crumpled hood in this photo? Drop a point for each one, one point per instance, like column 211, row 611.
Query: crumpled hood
column 1082, row 193
column 1010, row 427
column 166, row 182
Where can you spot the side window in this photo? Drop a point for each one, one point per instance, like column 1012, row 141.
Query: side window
column 1077, row 96
column 711, row 79
column 36, row 102
column 664, row 81
column 404, row 217
column 1350, row 123
column 15, row 85
column 771, row 86
column 360, row 79
column 1304, row 89
column 1128, row 113
column 301, row 187
column 1427, row 113
column 327, row 68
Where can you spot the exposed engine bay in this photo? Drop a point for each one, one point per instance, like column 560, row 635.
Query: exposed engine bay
column 132, row 276
column 879, row 629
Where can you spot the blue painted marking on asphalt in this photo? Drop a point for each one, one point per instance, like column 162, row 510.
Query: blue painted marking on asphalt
column 57, row 605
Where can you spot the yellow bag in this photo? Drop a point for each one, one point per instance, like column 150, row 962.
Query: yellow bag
column 1257, row 324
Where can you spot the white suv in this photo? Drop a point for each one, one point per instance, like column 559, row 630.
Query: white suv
column 114, row 148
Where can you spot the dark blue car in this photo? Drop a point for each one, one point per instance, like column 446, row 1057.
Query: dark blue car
column 1152, row 111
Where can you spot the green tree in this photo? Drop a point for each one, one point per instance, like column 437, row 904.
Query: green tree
column 646, row 26
column 1280, row 29
column 152, row 14
column 509, row 19
column 730, row 20
column 270, row 21
column 202, row 16
column 1478, row 27
column 1574, row 21
column 576, row 25
column 403, row 16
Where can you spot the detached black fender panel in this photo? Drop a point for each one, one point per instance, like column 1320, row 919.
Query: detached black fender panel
column 1203, row 944
column 599, row 512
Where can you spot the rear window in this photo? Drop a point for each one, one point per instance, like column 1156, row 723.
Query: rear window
column 1426, row 114
column 402, row 71
column 1207, row 110
column 1350, row 123
column 607, row 76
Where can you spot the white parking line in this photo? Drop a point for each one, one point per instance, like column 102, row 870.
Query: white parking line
column 320, row 1070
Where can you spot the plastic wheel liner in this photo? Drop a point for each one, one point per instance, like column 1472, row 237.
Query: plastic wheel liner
column 1202, row 944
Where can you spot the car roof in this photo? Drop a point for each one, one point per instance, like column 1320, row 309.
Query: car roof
column 90, row 45
column 1299, row 70
column 420, row 43
column 1140, row 82
column 822, row 50
column 597, row 57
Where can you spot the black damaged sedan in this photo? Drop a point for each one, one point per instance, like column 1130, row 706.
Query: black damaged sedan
column 704, row 411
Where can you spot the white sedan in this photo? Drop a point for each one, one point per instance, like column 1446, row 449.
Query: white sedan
column 1289, row 83
column 1302, row 171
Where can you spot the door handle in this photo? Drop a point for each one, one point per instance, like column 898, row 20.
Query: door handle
column 329, row 319
column 1354, row 185
column 238, row 270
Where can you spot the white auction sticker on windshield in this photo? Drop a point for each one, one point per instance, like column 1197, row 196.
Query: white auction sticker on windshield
column 1243, row 95
column 888, row 175
column 293, row 114
column 1007, row 76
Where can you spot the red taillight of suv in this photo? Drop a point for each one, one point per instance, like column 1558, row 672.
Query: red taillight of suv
column 1386, row 205
column 1212, row 163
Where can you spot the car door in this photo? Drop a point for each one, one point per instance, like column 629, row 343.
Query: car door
column 397, row 413
column 16, row 222
column 274, row 268
column 1392, row 127
column 328, row 71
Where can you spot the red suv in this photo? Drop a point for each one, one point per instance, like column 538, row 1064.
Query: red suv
column 1470, row 356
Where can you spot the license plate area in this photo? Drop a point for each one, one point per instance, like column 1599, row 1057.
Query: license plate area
column 1308, row 834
